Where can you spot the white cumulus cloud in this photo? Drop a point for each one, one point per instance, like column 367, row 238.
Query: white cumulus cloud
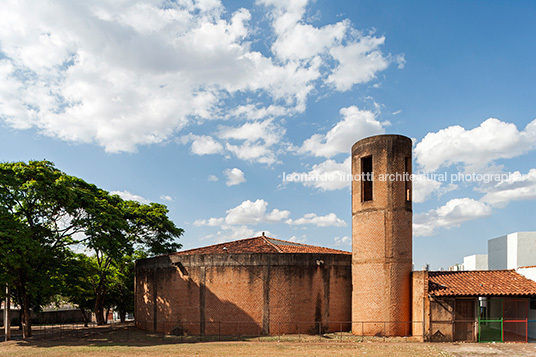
column 126, row 195
column 343, row 240
column 230, row 233
column 358, row 62
column 329, row 220
column 453, row 213
column 358, row 56
column 517, row 187
column 234, row 176
column 253, row 141
column 130, row 73
column 302, row 239
column 211, row 222
column 424, row 186
column 355, row 125
column 256, row 212
column 203, row 144
column 475, row 148
column 166, row 198
column 249, row 212
column 327, row 176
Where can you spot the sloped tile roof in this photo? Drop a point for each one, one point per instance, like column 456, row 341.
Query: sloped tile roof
column 261, row 244
column 480, row 283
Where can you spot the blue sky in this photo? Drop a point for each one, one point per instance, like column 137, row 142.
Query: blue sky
column 204, row 105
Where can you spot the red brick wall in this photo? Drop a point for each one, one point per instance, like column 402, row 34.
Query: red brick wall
column 420, row 305
column 382, row 240
column 244, row 293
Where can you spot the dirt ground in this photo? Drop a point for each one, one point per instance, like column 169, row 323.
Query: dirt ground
column 249, row 348
column 126, row 340
column 488, row 349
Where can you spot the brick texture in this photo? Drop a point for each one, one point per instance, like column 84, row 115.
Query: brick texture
column 243, row 293
column 382, row 239
column 420, row 305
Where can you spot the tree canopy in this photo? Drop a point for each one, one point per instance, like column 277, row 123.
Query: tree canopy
column 44, row 212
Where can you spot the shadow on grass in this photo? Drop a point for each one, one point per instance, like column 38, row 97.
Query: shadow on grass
column 119, row 334
column 126, row 334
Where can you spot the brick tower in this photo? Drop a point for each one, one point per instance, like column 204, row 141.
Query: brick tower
column 381, row 236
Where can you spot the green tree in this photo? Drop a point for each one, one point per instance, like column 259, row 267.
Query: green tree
column 40, row 210
column 77, row 285
column 150, row 228
column 122, row 286
column 117, row 228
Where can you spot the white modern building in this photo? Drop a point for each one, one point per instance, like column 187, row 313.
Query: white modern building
column 475, row 262
column 512, row 251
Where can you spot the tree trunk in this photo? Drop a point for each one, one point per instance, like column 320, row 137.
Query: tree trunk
column 100, row 293
column 86, row 317
column 20, row 320
column 122, row 315
column 25, row 309
column 99, row 310
column 108, row 315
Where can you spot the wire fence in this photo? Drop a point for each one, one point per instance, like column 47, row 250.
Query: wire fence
column 303, row 331
column 192, row 331
column 75, row 331
column 279, row 328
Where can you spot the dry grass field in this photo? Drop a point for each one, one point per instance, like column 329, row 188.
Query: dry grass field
column 245, row 348
column 72, row 349
column 126, row 340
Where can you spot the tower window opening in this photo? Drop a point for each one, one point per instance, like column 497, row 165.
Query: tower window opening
column 407, row 165
column 366, row 178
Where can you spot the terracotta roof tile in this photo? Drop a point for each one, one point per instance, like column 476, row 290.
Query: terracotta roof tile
column 261, row 244
column 480, row 283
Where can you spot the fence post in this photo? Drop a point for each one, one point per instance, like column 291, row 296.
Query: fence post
column 526, row 330
column 424, row 319
column 7, row 316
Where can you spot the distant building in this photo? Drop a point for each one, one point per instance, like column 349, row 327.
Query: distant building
column 475, row 262
column 457, row 267
column 512, row 251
